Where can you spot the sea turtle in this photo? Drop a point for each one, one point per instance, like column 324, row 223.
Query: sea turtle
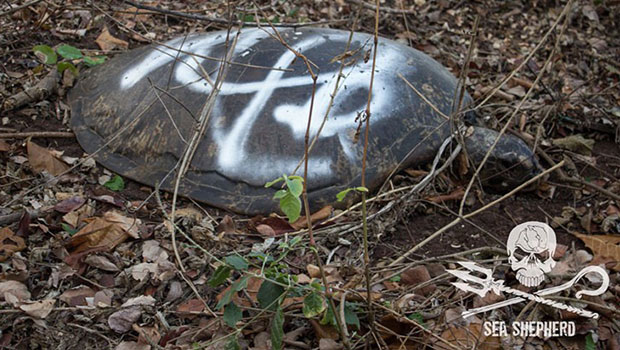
column 138, row 111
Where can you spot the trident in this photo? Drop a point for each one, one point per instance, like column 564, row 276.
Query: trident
column 489, row 284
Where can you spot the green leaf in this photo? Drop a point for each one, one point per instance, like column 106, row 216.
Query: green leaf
column 271, row 183
column 237, row 262
column 295, row 186
column 232, row 314
column 221, row 274
column 395, row 278
column 115, row 184
column 69, row 52
column 45, row 53
column 277, row 329
column 232, row 344
column 280, row 194
column 328, row 318
column 94, row 60
column 268, row 294
column 62, row 66
column 313, row 305
column 590, row 344
column 236, row 287
column 291, row 207
column 246, row 18
column 361, row 189
column 416, row 316
column 70, row 230
column 340, row 196
column 350, row 316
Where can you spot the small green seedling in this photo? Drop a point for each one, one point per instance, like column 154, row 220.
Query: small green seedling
column 69, row 55
column 115, row 184
column 340, row 196
column 290, row 203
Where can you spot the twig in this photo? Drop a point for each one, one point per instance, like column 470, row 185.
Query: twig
column 515, row 111
column 221, row 20
column 476, row 212
column 328, row 293
column 41, row 90
column 19, row 7
column 38, row 134
column 371, row 313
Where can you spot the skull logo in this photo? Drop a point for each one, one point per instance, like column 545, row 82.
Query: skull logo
column 536, row 242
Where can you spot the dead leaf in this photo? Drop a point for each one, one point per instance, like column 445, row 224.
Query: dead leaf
column 226, row 226
column 43, row 159
column 416, row 276
column 132, row 345
column 107, row 42
column 101, row 262
column 141, row 271
column 69, row 204
column 329, row 344
column 191, row 306
column 467, row 337
column 77, row 296
column 147, row 335
column 576, row 143
column 142, row 300
column 265, row 230
column 103, row 298
column 122, row 320
column 278, row 225
column 320, row 215
column 605, row 246
column 39, row 309
column 104, row 233
column 4, row 147
column 9, row 243
column 152, row 252
column 15, row 289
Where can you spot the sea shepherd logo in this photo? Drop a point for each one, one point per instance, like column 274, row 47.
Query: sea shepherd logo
column 535, row 243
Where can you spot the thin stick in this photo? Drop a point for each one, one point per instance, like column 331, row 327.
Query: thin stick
column 371, row 313
column 516, row 110
column 475, row 212
column 38, row 134
column 17, row 8
column 329, row 295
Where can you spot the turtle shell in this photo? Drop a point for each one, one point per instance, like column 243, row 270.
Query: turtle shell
column 137, row 113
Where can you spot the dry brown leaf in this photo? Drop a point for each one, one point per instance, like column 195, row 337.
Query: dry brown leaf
column 16, row 289
column 9, row 243
column 77, row 296
column 467, row 337
column 41, row 158
column 132, row 345
column 122, row 320
column 39, row 309
column 104, row 233
column 4, row 146
column 320, row 215
column 603, row 246
column 107, row 42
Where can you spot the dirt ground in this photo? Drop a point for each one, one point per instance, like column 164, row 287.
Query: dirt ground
column 58, row 291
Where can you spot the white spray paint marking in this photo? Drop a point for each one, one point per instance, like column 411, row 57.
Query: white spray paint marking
column 233, row 159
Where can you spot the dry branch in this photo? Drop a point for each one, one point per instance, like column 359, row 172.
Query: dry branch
column 40, row 91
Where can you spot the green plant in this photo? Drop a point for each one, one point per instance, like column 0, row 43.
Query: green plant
column 340, row 196
column 70, row 54
column 290, row 203
column 277, row 285
column 115, row 184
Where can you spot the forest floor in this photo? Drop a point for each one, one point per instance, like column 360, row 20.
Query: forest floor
column 87, row 259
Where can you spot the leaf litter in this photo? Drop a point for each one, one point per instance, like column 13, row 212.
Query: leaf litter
column 84, row 249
